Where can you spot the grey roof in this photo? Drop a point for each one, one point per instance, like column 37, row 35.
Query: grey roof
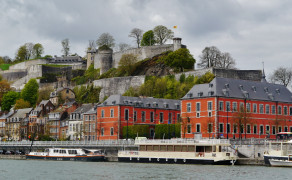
column 241, row 89
column 4, row 116
column 83, row 108
column 91, row 111
column 69, row 103
column 39, row 107
column 21, row 113
column 142, row 102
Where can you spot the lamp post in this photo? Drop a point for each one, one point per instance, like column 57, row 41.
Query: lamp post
column 227, row 120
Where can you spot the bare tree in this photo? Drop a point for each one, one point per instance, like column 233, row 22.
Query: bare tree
column 29, row 50
column 137, row 34
column 162, row 34
column 213, row 57
column 241, row 119
column 282, row 75
column 123, row 47
column 91, row 45
column 65, row 46
column 106, row 39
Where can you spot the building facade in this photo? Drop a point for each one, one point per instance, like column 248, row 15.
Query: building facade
column 120, row 111
column 233, row 108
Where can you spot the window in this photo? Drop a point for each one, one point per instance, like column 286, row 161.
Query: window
column 286, row 129
column 279, row 109
column 135, row 116
column 143, row 116
column 112, row 113
column 221, row 128
column 151, row 132
column 254, row 108
column 198, row 127
column 241, row 105
column 234, row 128
column 273, row 109
column 285, row 111
column 290, row 128
column 261, row 109
column 198, row 114
column 221, row 105
column 209, row 105
column 112, row 131
column 102, row 113
column 290, row 111
column 151, row 116
column 242, row 129
column 267, row 129
column 261, row 129
column 161, row 117
column 227, row 106
column 228, row 128
column 273, row 129
column 210, row 128
column 169, row 118
column 189, row 119
column 188, row 107
column 198, row 106
column 279, row 129
column 234, row 106
column 189, row 129
column 255, row 129
column 102, row 132
column 267, row 109
column 210, row 114
column 248, row 131
column 126, row 114
column 178, row 117
column 248, row 107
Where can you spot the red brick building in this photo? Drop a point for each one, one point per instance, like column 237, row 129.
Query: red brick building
column 120, row 111
column 236, row 109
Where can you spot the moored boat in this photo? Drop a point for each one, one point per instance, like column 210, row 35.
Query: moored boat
column 282, row 163
column 279, row 153
column 67, row 154
column 181, row 151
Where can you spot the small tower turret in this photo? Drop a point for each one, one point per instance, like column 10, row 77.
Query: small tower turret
column 176, row 43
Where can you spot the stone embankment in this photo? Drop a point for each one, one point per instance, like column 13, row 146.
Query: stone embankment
column 15, row 157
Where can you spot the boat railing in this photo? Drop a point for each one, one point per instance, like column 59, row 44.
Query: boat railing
column 182, row 141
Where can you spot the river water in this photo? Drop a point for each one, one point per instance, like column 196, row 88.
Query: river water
column 40, row 170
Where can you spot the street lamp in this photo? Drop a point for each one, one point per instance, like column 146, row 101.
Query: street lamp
column 227, row 120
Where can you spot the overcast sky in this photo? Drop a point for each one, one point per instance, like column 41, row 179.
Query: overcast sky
column 252, row 31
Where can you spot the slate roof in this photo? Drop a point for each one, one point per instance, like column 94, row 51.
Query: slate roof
column 4, row 116
column 83, row 108
column 142, row 102
column 21, row 113
column 241, row 89
column 39, row 107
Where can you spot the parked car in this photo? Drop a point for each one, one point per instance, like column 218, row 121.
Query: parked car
column 19, row 153
column 1, row 151
column 8, row 153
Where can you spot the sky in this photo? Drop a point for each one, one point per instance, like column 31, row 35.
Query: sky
column 252, row 31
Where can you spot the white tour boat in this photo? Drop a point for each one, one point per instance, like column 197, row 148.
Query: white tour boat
column 282, row 163
column 67, row 154
column 280, row 152
column 182, row 151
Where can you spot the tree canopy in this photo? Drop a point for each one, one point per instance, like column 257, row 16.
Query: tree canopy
column 148, row 38
column 106, row 39
column 30, row 91
column 282, row 75
column 38, row 50
column 4, row 88
column 137, row 34
column 127, row 63
column 180, row 58
column 65, row 46
column 213, row 57
column 20, row 104
column 162, row 34
column 8, row 100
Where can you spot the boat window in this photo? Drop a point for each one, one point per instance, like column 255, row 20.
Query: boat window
column 72, row 151
column 142, row 148
column 149, row 147
column 208, row 149
column 177, row 148
column 162, row 148
column 170, row 148
column 199, row 148
column 184, row 148
column 56, row 151
column 191, row 148
column 156, row 148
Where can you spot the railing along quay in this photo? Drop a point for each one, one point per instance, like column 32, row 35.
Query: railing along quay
column 111, row 143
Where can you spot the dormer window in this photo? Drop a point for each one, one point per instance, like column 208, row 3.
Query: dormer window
column 227, row 85
column 266, row 89
column 114, row 102
column 278, row 91
column 105, row 103
column 271, row 97
column 246, row 94
column 190, row 95
column 200, row 94
column 165, row 105
column 177, row 106
column 210, row 93
column 210, row 85
column 148, row 105
column 241, row 87
column 155, row 104
column 125, row 102
column 254, row 88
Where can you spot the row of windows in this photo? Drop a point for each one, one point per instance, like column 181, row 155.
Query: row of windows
column 111, row 131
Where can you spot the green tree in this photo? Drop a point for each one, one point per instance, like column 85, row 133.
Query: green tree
column 30, row 91
column 148, row 39
column 38, row 50
column 9, row 100
column 4, row 88
column 162, row 34
column 20, row 104
column 127, row 63
column 21, row 54
column 180, row 58
column 91, row 73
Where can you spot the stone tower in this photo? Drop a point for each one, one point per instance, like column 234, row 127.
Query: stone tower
column 90, row 56
column 176, row 43
column 104, row 60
